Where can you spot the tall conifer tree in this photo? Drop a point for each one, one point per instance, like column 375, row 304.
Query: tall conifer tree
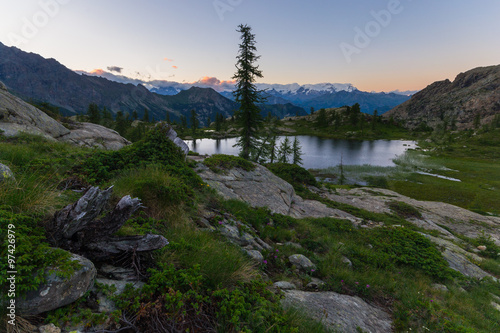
column 246, row 93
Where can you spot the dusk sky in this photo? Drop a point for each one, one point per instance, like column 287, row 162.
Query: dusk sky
column 377, row 45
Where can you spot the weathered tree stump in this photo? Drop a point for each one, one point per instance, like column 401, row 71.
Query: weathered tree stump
column 78, row 228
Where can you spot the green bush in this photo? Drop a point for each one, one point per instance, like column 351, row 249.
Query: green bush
column 218, row 163
column 177, row 300
column 407, row 247
column 404, row 210
column 297, row 176
column 31, row 255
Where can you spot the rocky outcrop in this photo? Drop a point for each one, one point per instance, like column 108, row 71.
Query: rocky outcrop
column 341, row 312
column 473, row 93
column 261, row 188
column 93, row 135
column 460, row 260
column 57, row 291
column 18, row 116
column 445, row 218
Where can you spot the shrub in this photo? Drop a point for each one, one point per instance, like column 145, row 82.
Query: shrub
column 297, row 176
column 32, row 255
column 177, row 300
column 218, row 163
column 155, row 148
column 404, row 210
column 406, row 247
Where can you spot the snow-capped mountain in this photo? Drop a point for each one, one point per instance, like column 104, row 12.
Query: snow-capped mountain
column 317, row 96
column 295, row 88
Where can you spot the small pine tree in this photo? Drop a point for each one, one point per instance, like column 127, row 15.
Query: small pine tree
column 168, row 117
column 297, row 152
column 121, row 123
column 93, row 113
column 355, row 113
column 145, row 117
column 284, row 150
column 194, row 121
column 321, row 120
column 374, row 120
column 342, row 178
column 135, row 116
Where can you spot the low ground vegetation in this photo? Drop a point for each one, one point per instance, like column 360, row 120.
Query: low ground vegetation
column 201, row 282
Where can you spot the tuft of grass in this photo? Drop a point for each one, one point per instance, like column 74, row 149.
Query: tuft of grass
column 218, row 163
column 222, row 264
column 159, row 191
column 34, row 193
column 404, row 210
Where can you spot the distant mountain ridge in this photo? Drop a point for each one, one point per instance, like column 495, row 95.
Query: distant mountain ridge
column 31, row 76
column 473, row 95
column 321, row 95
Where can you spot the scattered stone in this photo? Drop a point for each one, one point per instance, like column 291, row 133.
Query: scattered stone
column 346, row 261
column 236, row 234
column 440, row 287
column 301, row 261
column 481, row 248
column 340, row 312
column 255, row 255
column 50, row 328
column 285, row 285
column 315, row 283
column 204, row 223
column 57, row 291
column 6, row 173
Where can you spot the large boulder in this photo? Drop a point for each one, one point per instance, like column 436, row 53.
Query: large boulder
column 340, row 313
column 93, row 135
column 258, row 187
column 18, row 116
column 261, row 188
column 57, row 291
column 437, row 216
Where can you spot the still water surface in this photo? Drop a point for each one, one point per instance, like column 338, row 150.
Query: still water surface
column 321, row 153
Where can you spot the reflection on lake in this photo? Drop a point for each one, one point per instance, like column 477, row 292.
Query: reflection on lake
column 319, row 153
